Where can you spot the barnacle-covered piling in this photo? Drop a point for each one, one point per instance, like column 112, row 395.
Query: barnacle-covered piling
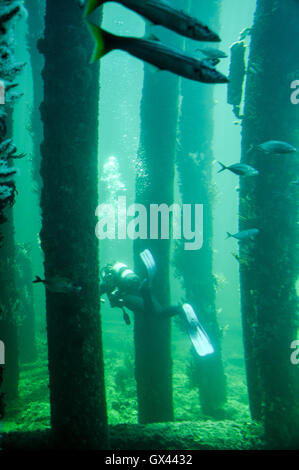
column 68, row 202
column 194, row 162
column 8, row 295
column 270, row 203
column 154, row 185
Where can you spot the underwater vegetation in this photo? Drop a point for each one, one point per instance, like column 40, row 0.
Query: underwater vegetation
column 138, row 337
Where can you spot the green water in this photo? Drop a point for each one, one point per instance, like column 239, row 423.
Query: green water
column 121, row 82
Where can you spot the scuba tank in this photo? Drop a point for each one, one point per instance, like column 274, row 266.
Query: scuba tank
column 126, row 279
column 119, row 277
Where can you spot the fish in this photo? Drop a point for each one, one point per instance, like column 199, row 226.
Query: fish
column 274, row 146
column 213, row 53
column 59, row 285
column 160, row 13
column 156, row 54
column 240, row 169
column 245, row 234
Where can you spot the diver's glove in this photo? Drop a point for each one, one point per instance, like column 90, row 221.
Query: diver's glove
column 197, row 334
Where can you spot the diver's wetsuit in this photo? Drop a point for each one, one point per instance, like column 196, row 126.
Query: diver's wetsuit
column 140, row 302
column 124, row 290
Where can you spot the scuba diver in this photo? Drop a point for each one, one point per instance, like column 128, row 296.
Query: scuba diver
column 125, row 289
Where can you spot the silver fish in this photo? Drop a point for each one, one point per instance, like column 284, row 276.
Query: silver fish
column 59, row 285
column 245, row 234
column 156, row 54
column 160, row 13
column 274, row 146
column 240, row 169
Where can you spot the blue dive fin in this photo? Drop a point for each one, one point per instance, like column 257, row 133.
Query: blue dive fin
column 197, row 334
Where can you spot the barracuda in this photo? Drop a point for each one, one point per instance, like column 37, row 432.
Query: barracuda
column 160, row 13
column 156, row 54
